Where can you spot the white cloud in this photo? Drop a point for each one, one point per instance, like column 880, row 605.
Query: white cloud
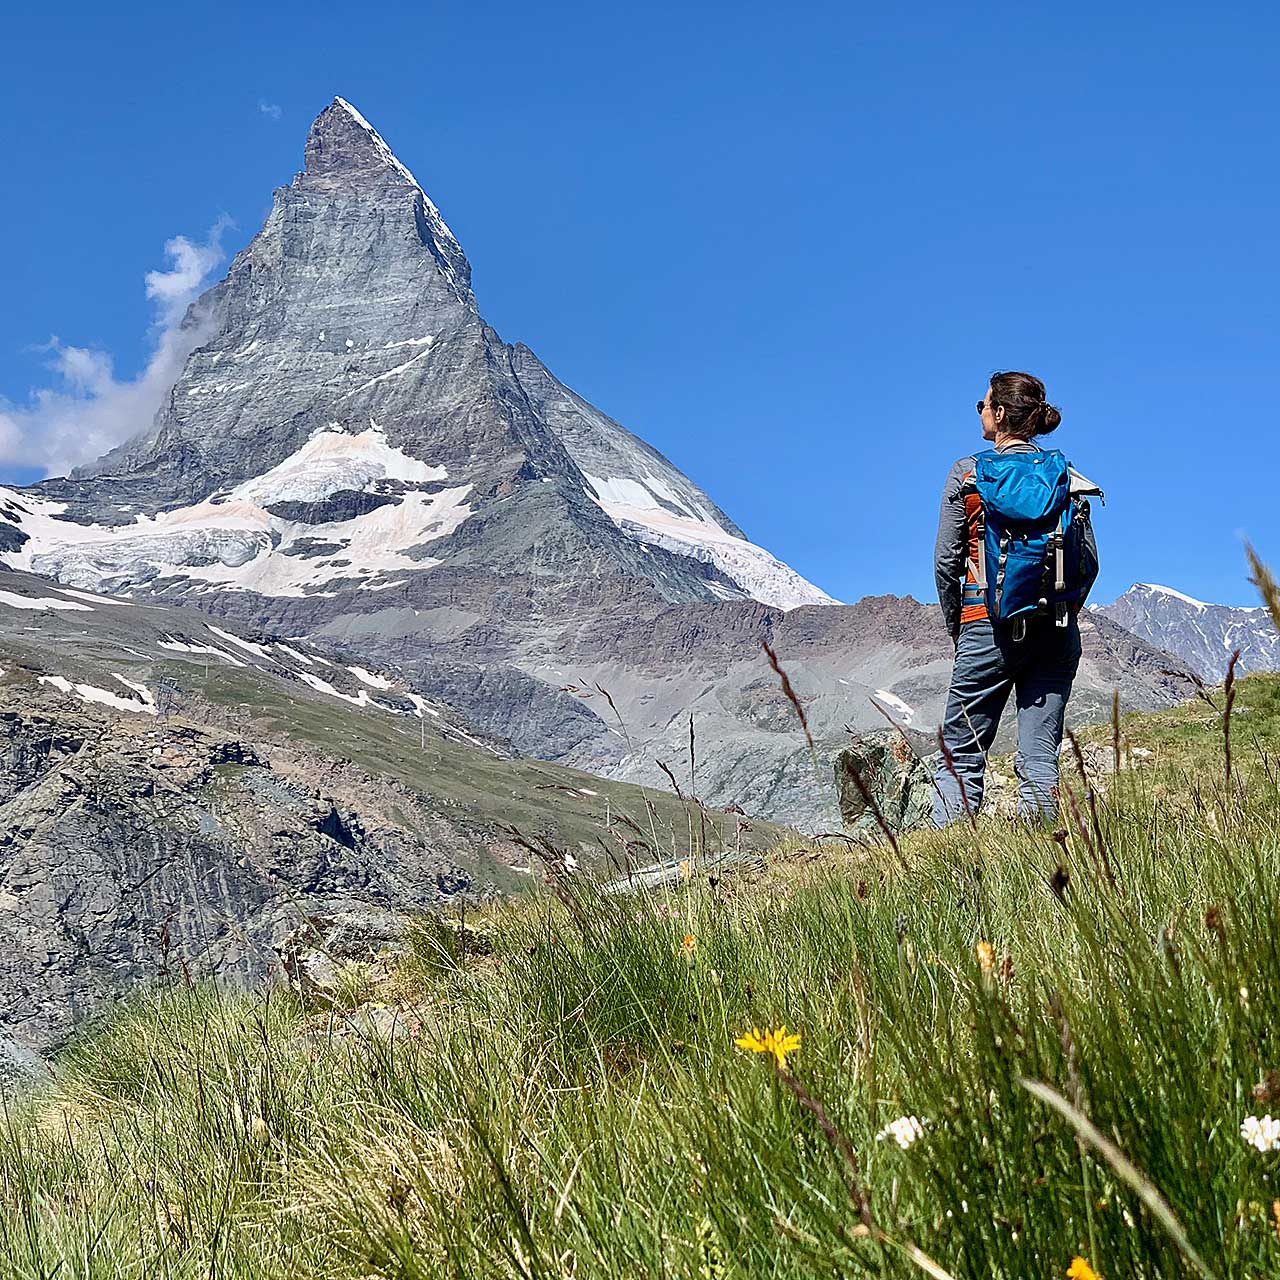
column 89, row 411
column 270, row 109
column 173, row 291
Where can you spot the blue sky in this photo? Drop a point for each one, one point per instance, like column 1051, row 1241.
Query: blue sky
column 786, row 245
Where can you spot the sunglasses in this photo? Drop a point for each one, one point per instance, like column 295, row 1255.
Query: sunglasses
column 982, row 404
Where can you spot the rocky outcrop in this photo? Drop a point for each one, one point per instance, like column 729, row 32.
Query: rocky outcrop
column 130, row 853
column 883, row 785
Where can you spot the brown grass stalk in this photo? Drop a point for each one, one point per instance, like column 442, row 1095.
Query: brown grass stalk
column 853, row 1178
column 1104, row 854
column 1115, row 729
column 1268, row 589
column 949, row 762
column 675, row 786
column 1229, row 699
column 789, row 692
column 1077, row 818
column 870, row 801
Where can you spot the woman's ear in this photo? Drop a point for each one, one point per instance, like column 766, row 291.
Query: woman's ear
column 999, row 413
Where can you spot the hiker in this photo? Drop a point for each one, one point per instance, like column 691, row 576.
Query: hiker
column 1014, row 560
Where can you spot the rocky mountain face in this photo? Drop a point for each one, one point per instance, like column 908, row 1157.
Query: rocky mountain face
column 348, row 422
column 1204, row 636
column 353, row 455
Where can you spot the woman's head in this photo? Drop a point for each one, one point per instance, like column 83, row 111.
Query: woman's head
column 1015, row 406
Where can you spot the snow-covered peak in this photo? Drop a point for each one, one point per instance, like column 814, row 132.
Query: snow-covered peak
column 1157, row 589
column 1201, row 634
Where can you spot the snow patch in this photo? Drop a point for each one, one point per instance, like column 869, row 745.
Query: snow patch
column 647, row 493
column 1169, row 591
column 295, row 655
column 373, row 680
column 105, row 697
column 360, row 699
column 637, row 508
column 41, row 603
column 421, row 703
column 903, row 713
column 332, row 461
column 181, row 646
column 256, row 649
column 390, row 373
column 235, row 543
column 89, row 596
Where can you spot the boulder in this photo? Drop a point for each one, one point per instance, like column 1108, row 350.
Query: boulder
column 894, row 778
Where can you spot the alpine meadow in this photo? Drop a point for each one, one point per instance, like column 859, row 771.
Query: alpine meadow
column 990, row 1050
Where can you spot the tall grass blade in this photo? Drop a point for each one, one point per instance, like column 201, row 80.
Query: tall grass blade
column 1142, row 1186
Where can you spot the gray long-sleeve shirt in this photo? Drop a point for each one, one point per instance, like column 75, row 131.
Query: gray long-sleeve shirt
column 951, row 545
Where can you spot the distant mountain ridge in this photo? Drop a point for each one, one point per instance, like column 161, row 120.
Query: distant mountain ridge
column 1203, row 635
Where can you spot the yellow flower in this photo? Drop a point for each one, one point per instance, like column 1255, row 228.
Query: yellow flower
column 1081, row 1270
column 777, row 1043
column 689, row 945
column 686, row 869
column 986, row 960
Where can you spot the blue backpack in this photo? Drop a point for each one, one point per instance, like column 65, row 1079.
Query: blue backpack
column 1032, row 555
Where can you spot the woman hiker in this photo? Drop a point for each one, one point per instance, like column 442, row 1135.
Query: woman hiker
column 1014, row 560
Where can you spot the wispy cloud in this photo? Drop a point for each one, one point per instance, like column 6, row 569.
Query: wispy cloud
column 271, row 110
column 88, row 410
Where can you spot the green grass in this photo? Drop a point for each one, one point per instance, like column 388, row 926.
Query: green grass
column 562, row 1096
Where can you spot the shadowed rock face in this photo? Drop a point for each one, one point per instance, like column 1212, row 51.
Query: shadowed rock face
column 129, row 856
column 352, row 454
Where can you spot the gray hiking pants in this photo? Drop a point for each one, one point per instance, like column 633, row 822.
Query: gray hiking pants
column 990, row 665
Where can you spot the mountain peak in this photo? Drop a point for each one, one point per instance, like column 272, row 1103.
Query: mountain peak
column 1155, row 588
column 343, row 144
column 341, row 140
column 1204, row 635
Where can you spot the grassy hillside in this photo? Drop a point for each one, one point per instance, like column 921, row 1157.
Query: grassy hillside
column 1079, row 1023
column 480, row 790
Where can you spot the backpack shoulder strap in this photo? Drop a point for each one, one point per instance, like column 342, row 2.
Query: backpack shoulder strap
column 978, row 567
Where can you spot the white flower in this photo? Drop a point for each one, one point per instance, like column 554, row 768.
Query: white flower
column 904, row 1131
column 1262, row 1132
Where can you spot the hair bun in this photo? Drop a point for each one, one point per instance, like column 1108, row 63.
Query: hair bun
column 1050, row 419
